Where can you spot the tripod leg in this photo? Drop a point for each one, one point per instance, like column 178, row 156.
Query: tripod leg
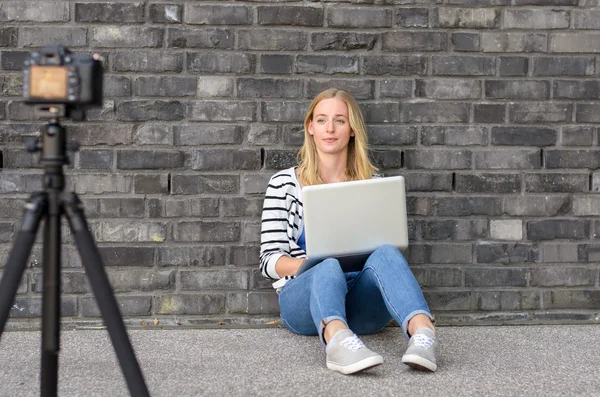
column 17, row 260
column 105, row 298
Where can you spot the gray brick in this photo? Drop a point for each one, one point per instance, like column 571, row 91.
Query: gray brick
column 18, row 110
column 223, row 111
column 508, row 159
column 548, row 2
column 346, row 17
column 513, row 42
column 507, row 300
column 210, row 184
column 454, row 229
column 217, row 14
column 127, row 256
column 276, row 64
column 104, row 113
column 480, row 3
column 101, row 183
column 151, row 184
column 572, row 159
column 191, row 256
column 200, row 38
column 586, row 206
column 280, row 159
column 488, row 182
column 517, row 89
column 553, row 252
column 253, row 303
column 548, row 205
column 215, row 86
column 149, row 159
column 165, row 13
column 110, row 13
column 342, row 41
column 398, row 65
column 205, row 134
column 255, row 183
column 568, row 299
column 588, row 19
column 221, row 63
column 577, row 136
column 467, row 206
column 475, row 277
column 190, row 304
column 8, row 37
column 13, row 60
column 392, row 135
column 523, row 136
column 595, row 182
column 576, row 89
column 150, row 110
column 290, row 15
column 7, row 232
column 428, row 182
column 448, row 89
column 387, row 159
column 35, row 37
column 20, row 183
column 149, row 134
column 514, row 66
column 381, row 112
column 506, row 229
column 395, row 88
column 558, row 229
column 556, row 183
column 326, row 64
column 269, row 88
column 284, row 111
column 141, row 280
column 258, row 281
column 412, row 17
column 439, row 253
column 41, row 11
column 272, row 40
column 226, row 159
column 11, row 85
column 466, row 41
column 463, row 65
column 360, row 89
column 575, row 42
column 241, row 206
column 32, row 307
column 203, row 231
column 95, row 159
column 588, row 252
column 438, row 276
column 116, row 86
column 132, row 231
column 507, row 253
column 414, row 41
column 454, row 136
column 448, row 300
column 214, row 279
column 17, row 133
column 438, row 159
column 145, row 61
column 126, row 36
column 489, row 113
column 587, row 113
column 245, row 256
column 435, row 112
column 183, row 207
column 19, row 158
column 535, row 19
column 469, row 18
column 564, row 66
column 164, row 86
column 263, row 135
column 115, row 207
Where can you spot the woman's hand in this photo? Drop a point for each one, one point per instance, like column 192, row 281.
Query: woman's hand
column 287, row 266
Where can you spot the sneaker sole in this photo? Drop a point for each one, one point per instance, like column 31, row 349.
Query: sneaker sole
column 419, row 363
column 361, row 365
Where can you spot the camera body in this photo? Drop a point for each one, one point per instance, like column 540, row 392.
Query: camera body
column 54, row 76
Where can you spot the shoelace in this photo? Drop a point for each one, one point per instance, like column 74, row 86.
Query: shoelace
column 352, row 343
column 422, row 341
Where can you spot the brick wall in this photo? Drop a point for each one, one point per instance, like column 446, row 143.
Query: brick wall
column 489, row 108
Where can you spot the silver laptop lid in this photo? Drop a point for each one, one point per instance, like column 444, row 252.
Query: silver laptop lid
column 354, row 217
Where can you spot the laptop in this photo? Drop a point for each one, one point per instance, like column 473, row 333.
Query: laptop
column 350, row 220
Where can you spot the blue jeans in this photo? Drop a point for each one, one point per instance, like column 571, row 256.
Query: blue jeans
column 365, row 301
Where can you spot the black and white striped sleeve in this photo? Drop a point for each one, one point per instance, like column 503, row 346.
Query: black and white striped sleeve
column 274, row 240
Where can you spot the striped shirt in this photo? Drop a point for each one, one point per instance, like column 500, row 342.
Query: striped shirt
column 282, row 221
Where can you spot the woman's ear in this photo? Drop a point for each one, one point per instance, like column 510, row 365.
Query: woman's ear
column 310, row 128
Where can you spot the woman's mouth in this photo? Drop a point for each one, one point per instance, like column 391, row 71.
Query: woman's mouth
column 330, row 140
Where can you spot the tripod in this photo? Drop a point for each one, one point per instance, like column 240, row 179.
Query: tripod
column 50, row 205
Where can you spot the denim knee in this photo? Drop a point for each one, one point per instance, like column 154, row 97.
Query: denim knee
column 330, row 269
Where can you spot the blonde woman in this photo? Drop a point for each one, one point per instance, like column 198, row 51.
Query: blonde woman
column 324, row 300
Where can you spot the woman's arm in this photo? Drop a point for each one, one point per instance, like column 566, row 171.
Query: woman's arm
column 287, row 266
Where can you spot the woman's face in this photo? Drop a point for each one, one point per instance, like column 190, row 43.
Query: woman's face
column 330, row 126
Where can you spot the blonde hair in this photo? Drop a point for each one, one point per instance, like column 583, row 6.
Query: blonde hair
column 358, row 164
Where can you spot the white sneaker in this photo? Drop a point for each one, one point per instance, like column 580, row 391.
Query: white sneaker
column 347, row 354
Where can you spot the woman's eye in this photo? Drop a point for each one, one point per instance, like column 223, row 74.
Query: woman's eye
column 321, row 121
column 340, row 121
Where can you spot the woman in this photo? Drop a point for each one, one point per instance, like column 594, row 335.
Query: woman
column 324, row 300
